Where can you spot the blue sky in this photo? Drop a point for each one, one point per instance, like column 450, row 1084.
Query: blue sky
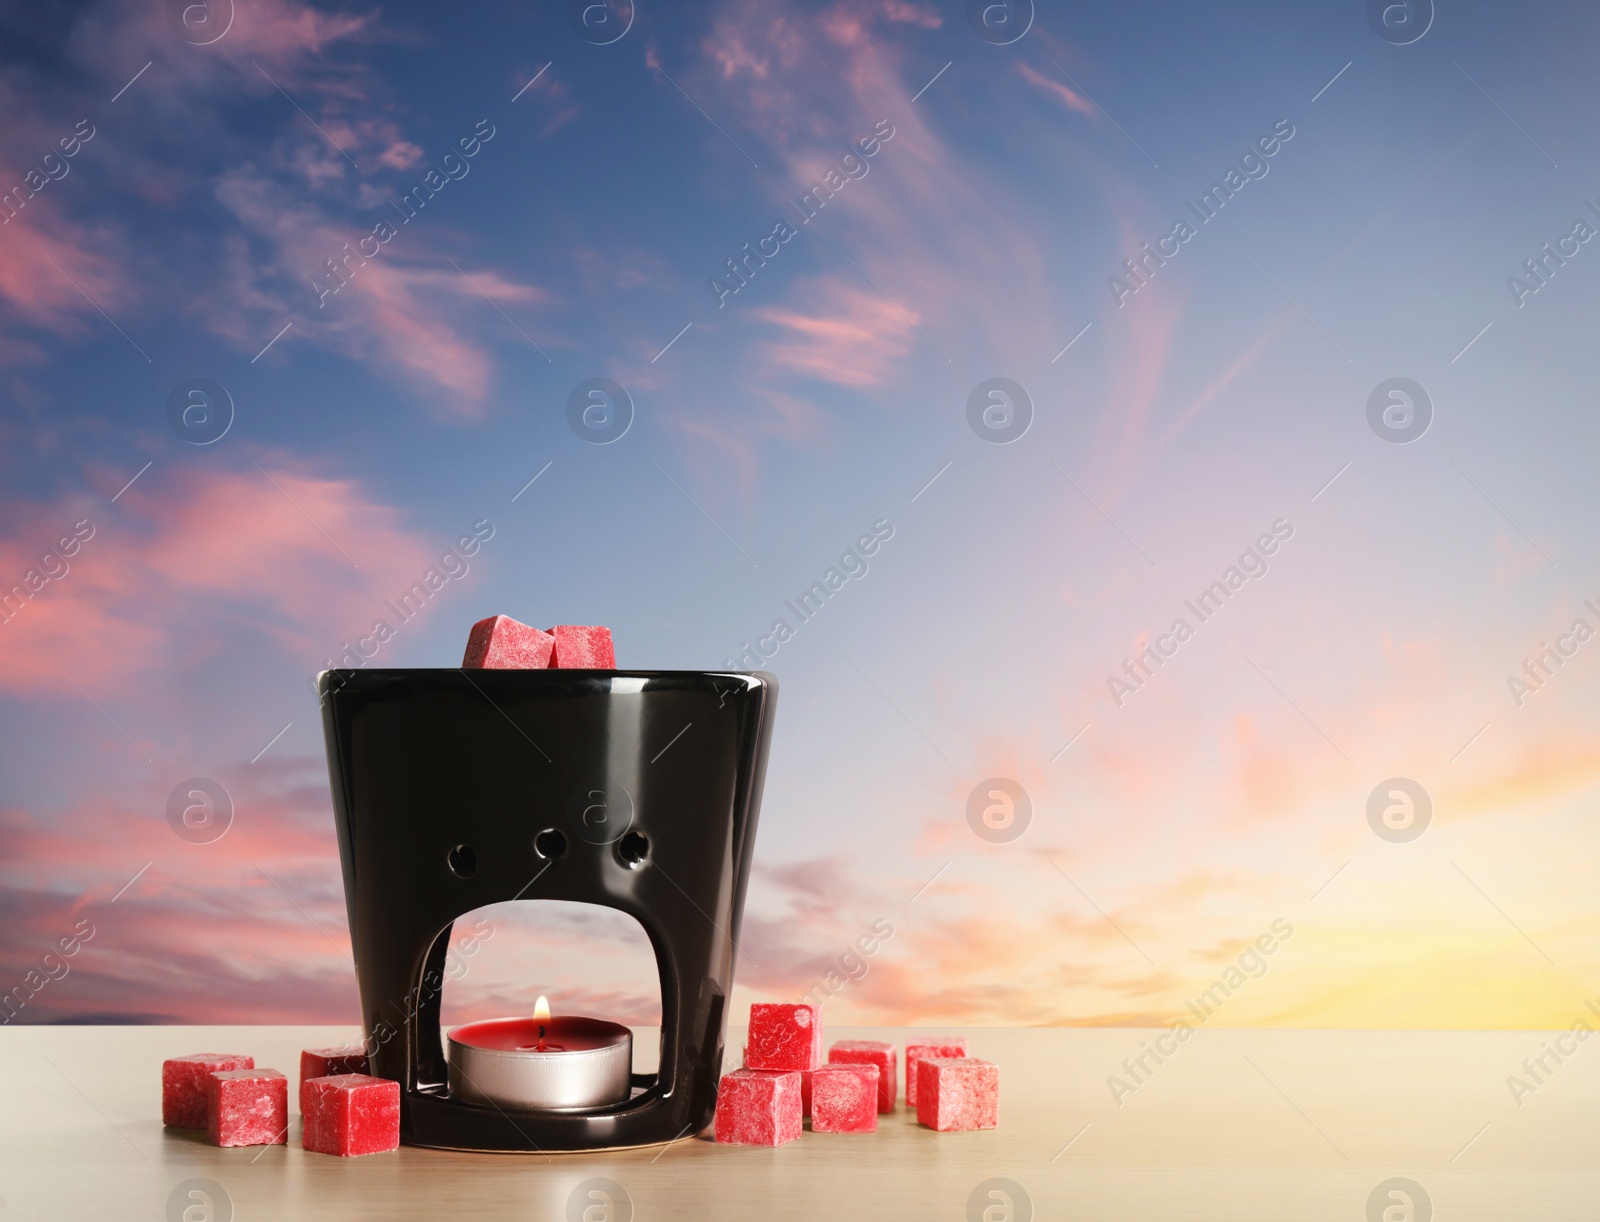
column 825, row 396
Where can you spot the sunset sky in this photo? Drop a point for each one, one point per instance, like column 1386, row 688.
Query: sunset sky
column 1393, row 202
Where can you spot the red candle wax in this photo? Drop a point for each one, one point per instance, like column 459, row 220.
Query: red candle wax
column 560, row 1033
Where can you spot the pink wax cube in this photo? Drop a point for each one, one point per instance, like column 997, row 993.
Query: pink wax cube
column 323, row 1062
column 580, row 648
column 844, row 1098
column 871, row 1052
column 784, row 1036
column 350, row 1114
column 958, row 1093
column 956, row 1046
column 247, row 1107
column 758, row 1108
column 502, row 643
column 183, row 1085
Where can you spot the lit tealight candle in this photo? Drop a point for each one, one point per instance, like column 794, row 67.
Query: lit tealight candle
column 566, row 1062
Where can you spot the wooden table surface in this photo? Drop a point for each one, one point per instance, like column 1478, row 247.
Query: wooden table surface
column 1235, row 1125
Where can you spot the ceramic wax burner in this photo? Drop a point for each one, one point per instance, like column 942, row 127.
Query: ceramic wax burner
column 636, row 790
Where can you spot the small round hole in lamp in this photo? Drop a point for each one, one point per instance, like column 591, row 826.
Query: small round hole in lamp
column 633, row 849
column 550, row 844
column 463, row 861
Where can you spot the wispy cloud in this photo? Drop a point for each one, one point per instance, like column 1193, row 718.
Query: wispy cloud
column 186, row 554
column 1055, row 87
column 849, row 335
column 405, row 311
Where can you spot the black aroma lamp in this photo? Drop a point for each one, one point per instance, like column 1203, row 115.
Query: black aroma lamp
column 635, row 790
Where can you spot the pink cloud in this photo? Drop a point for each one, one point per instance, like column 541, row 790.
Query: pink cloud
column 772, row 415
column 284, row 36
column 43, row 261
column 1140, row 367
column 951, row 960
column 407, row 327
column 844, row 26
column 393, row 309
column 287, row 30
column 43, row 253
column 560, row 119
column 400, row 155
column 735, row 58
column 248, row 928
column 279, row 39
column 1059, row 90
column 913, row 14
column 807, row 88
column 184, row 553
column 377, row 140
column 849, row 335
column 404, row 315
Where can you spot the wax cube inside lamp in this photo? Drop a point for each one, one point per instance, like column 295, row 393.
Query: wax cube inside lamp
column 955, row 1046
column 958, row 1093
column 844, row 1098
column 502, row 643
column 350, row 1114
column 183, row 1085
column 784, row 1036
column 872, row 1052
column 582, row 648
column 247, row 1107
column 758, row 1108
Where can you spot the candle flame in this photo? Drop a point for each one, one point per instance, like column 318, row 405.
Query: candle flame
column 541, row 1016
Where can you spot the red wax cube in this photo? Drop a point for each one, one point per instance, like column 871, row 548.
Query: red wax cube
column 247, row 1107
column 579, row 648
column 350, row 1114
column 871, row 1052
column 323, row 1062
column 784, row 1036
column 916, row 1050
column 958, row 1093
column 183, row 1085
column 758, row 1108
column 501, row 643
column 844, row 1098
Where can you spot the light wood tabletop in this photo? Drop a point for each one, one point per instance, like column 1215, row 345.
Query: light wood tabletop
column 1236, row 1124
